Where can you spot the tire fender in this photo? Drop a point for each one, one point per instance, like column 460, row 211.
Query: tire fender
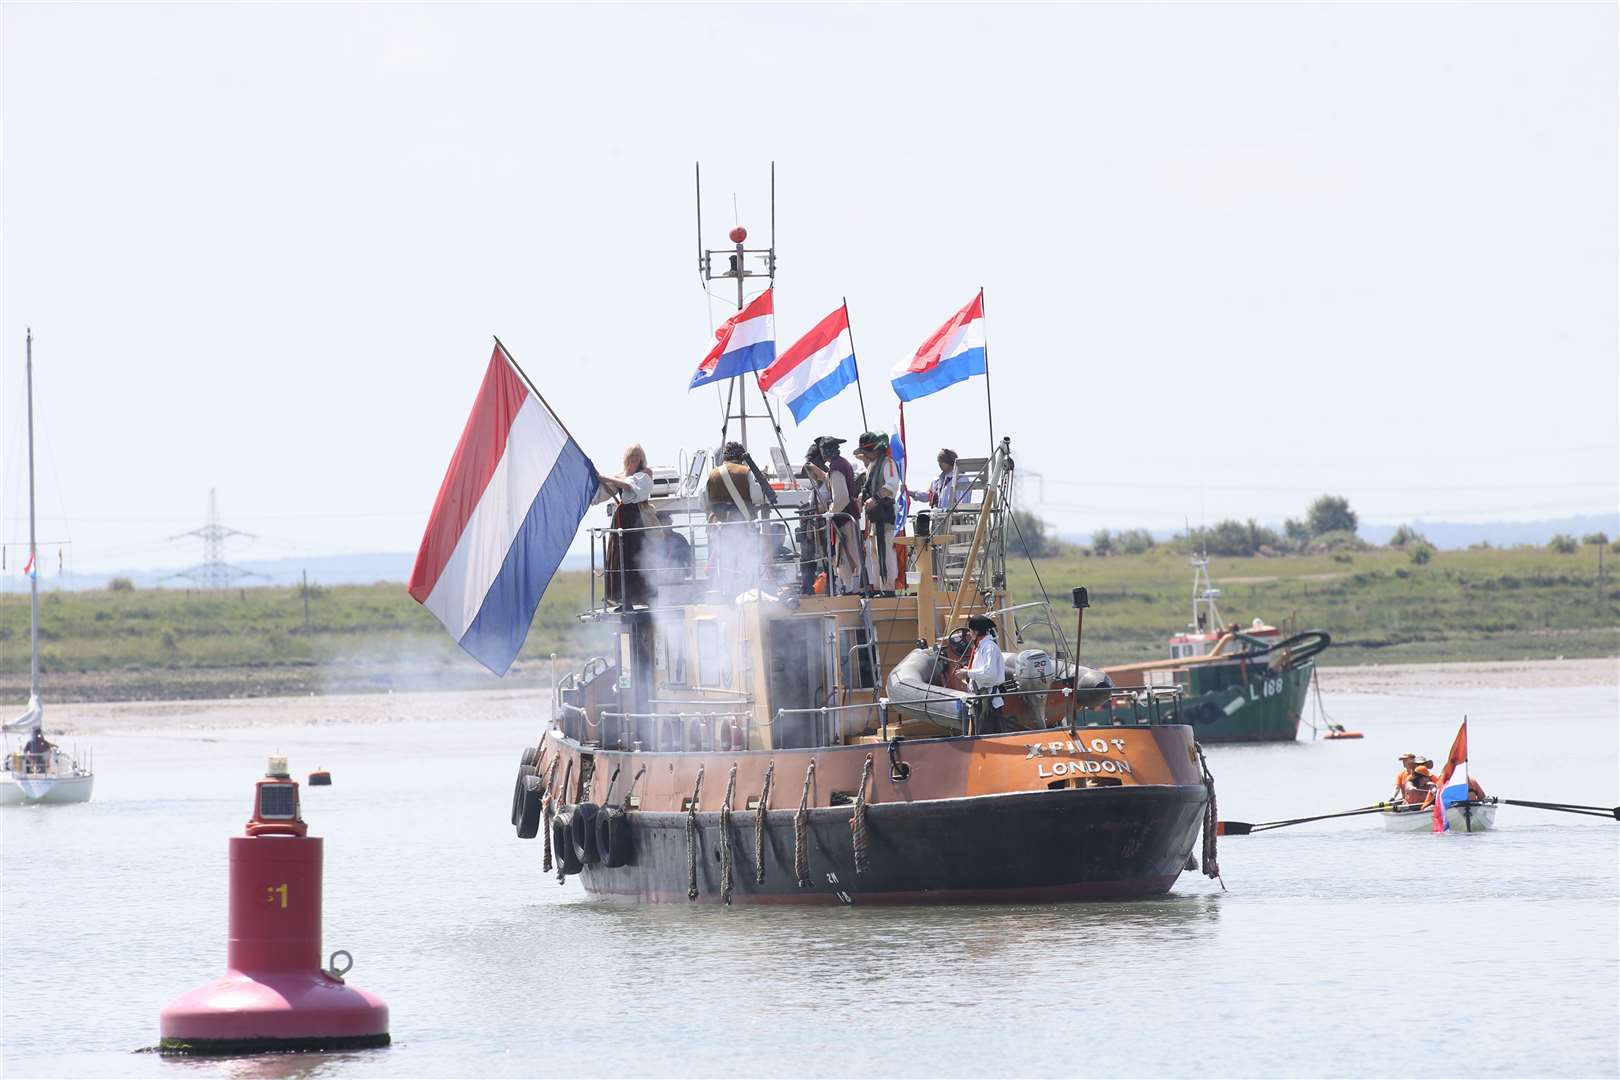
column 613, row 836
column 582, row 834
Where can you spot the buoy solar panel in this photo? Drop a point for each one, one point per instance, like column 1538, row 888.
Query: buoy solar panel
column 274, row 995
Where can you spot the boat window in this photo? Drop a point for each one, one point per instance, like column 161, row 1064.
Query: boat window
column 671, row 650
column 714, row 662
column 855, row 659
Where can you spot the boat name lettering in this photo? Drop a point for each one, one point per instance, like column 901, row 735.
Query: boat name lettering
column 1268, row 688
column 1072, row 746
column 1075, row 768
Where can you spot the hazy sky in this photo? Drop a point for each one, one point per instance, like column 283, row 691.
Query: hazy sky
column 1235, row 256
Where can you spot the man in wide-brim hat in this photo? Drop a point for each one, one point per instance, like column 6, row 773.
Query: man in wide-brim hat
column 838, row 476
column 878, row 492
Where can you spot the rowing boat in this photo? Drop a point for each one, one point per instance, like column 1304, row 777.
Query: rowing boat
column 1461, row 816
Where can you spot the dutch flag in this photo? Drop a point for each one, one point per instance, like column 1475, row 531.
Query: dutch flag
column 511, row 502
column 954, row 352
column 1453, row 779
column 745, row 342
column 814, row 368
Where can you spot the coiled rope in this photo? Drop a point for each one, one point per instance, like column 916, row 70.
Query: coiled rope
column 801, row 825
column 725, row 836
column 759, row 826
column 568, row 775
column 1211, row 820
column 857, row 821
column 691, row 838
column 546, row 811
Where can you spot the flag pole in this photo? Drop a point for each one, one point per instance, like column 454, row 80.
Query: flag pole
column 988, row 411
column 510, row 359
column 857, row 357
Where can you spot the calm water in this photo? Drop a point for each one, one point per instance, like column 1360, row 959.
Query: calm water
column 1338, row 949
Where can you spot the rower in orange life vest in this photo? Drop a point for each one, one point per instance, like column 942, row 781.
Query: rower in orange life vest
column 1421, row 788
column 1408, row 762
column 1475, row 792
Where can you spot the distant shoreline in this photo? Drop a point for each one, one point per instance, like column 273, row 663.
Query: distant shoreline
column 369, row 706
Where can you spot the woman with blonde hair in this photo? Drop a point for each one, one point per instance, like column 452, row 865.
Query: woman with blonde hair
column 628, row 582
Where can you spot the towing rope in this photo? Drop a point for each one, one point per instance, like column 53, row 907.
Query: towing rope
column 547, row 810
column 801, row 825
column 759, row 826
column 857, row 821
column 568, row 775
column 725, row 836
column 691, row 839
column 1211, row 821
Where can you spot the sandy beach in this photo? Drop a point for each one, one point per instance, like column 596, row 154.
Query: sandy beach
column 88, row 718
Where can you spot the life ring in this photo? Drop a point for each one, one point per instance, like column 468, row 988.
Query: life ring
column 582, row 834
column 562, row 844
column 529, row 812
column 613, row 836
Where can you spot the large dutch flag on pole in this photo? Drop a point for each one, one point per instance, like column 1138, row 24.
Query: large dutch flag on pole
column 745, row 342
column 952, row 353
column 814, row 368
column 1453, row 779
column 511, row 502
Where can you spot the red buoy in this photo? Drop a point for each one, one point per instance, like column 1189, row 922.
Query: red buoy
column 274, row 995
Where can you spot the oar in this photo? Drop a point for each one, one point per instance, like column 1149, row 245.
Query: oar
column 1244, row 828
column 1568, row 808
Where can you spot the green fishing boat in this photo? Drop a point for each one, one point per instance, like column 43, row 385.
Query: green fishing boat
column 1238, row 684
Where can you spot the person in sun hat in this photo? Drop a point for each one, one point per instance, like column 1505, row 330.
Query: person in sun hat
column 878, row 493
column 1408, row 763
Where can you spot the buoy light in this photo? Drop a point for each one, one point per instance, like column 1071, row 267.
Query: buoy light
column 275, row 803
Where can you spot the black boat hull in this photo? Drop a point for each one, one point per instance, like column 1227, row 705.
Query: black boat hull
column 1021, row 847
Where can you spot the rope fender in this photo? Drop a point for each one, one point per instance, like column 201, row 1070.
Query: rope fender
column 1211, row 820
column 857, row 820
column 801, row 824
column 691, row 839
column 725, row 836
column 568, row 774
column 759, row 826
column 546, row 811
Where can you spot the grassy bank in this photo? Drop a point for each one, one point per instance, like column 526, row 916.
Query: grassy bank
column 1379, row 605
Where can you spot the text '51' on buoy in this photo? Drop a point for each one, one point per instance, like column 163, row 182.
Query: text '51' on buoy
column 274, row 995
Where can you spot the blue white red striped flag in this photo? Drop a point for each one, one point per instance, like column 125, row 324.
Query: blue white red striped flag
column 897, row 453
column 745, row 342
column 1453, row 782
column 814, row 368
column 952, row 353
column 514, row 495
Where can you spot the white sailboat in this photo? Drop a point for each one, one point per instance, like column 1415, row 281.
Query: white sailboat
column 35, row 769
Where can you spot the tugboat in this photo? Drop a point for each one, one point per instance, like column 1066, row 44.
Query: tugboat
column 755, row 737
column 1239, row 684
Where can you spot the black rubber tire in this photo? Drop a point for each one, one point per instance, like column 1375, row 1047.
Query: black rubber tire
column 517, row 791
column 562, row 844
column 613, row 836
column 530, row 753
column 528, row 822
column 582, row 832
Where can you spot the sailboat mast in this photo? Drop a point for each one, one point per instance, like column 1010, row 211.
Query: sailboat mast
column 33, row 545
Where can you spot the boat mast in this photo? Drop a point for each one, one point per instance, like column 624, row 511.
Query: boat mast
column 736, row 268
column 33, row 546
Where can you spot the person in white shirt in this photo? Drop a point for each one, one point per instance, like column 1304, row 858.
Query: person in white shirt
column 878, row 490
column 986, row 669
column 628, row 580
